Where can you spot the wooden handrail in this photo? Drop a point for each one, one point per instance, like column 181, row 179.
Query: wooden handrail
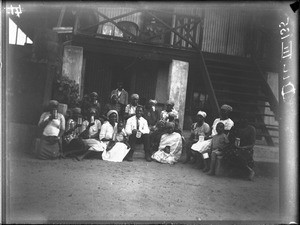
column 266, row 89
column 210, row 90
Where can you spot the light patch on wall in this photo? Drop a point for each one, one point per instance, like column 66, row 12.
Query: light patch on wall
column 16, row 35
column 21, row 37
column 12, row 32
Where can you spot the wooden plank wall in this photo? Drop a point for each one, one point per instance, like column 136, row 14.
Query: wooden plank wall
column 225, row 32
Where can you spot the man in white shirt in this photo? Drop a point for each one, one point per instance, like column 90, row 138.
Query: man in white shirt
column 138, row 131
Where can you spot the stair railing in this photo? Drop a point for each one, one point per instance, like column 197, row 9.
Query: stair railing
column 260, row 40
column 274, row 105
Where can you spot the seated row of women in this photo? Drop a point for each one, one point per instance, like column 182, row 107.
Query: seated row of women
column 163, row 142
column 115, row 141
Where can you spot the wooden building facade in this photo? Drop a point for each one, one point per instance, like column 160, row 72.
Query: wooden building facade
column 227, row 51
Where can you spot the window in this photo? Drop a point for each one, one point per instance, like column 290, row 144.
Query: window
column 16, row 35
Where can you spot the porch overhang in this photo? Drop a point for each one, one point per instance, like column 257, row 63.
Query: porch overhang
column 132, row 49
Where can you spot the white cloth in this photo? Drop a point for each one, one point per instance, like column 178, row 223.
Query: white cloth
column 204, row 146
column 107, row 132
column 93, row 130
column 201, row 146
column 54, row 126
column 174, row 141
column 130, row 109
column 92, row 145
column 131, row 124
column 228, row 123
column 117, row 153
column 164, row 114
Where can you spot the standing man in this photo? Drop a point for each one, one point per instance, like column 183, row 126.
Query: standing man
column 138, row 131
column 121, row 94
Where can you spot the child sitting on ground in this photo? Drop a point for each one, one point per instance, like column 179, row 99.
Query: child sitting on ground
column 119, row 136
column 218, row 143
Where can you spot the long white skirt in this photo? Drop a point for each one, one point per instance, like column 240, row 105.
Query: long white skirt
column 116, row 154
column 93, row 145
column 202, row 146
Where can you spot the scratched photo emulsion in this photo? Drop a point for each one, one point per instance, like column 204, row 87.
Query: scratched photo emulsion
column 138, row 112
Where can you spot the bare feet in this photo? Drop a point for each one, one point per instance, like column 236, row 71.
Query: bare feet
column 251, row 175
column 79, row 158
column 210, row 173
column 205, row 169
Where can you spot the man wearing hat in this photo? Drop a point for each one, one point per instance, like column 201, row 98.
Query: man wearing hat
column 200, row 129
column 131, row 108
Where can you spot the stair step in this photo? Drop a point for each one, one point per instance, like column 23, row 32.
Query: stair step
column 230, row 68
column 224, row 83
column 226, row 58
column 273, row 128
column 266, row 135
column 230, row 64
column 230, row 102
column 263, row 124
column 243, row 78
column 258, row 97
column 256, row 114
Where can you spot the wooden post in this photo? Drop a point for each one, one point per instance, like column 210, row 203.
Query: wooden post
column 177, row 86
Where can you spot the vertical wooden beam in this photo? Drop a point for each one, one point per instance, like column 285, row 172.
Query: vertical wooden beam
column 61, row 16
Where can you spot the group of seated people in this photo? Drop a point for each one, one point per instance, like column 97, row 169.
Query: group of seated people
column 112, row 134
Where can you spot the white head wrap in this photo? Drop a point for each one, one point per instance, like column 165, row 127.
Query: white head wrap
column 202, row 113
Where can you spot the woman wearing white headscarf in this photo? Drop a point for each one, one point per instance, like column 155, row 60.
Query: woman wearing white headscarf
column 170, row 146
column 199, row 130
column 108, row 133
column 204, row 146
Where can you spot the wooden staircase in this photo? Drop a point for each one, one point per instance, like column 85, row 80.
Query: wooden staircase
column 238, row 82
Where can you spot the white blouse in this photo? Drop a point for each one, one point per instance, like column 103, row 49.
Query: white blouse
column 228, row 123
column 93, row 129
column 107, row 131
column 54, row 126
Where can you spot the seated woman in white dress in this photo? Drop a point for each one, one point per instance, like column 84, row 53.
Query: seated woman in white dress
column 90, row 134
column 114, row 147
column 170, row 146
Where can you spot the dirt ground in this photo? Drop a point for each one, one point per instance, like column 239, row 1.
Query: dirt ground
column 97, row 190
